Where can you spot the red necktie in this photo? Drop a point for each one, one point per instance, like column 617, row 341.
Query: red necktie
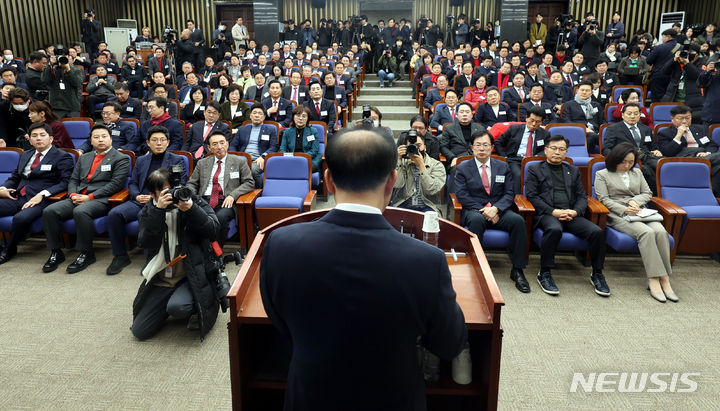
column 452, row 113
column 529, row 149
column 216, row 189
column 295, row 94
column 567, row 76
column 317, row 108
column 199, row 151
column 522, row 95
column 32, row 167
column 275, row 104
column 96, row 163
column 485, row 181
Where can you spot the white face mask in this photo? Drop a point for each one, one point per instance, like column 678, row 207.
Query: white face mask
column 249, row 56
column 9, row 57
column 376, row 123
column 20, row 107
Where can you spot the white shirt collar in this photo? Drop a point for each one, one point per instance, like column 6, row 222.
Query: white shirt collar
column 43, row 153
column 101, row 154
column 480, row 164
column 220, row 159
column 358, row 208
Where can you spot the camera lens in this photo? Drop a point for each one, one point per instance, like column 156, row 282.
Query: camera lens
column 181, row 194
column 63, row 60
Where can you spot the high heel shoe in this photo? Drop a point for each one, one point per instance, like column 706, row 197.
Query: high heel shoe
column 672, row 297
column 658, row 296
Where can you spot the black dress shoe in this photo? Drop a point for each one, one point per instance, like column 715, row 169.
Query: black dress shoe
column 517, row 275
column 81, row 262
column 6, row 254
column 117, row 264
column 52, row 263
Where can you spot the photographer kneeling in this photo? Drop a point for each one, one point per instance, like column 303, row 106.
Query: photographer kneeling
column 177, row 235
column 420, row 179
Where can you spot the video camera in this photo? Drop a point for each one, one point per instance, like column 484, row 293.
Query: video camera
column 217, row 270
column 367, row 122
column 61, row 53
column 178, row 191
column 685, row 52
column 169, row 34
column 449, row 19
column 423, row 22
column 593, row 25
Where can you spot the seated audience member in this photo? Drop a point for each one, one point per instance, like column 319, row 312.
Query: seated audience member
column 447, row 113
column 257, row 91
column 181, row 79
column 631, row 95
column 256, row 139
column 278, row 108
column 579, row 67
column 185, row 93
column 234, row 110
column 536, row 100
column 485, row 188
column 134, row 76
column 158, row 63
column 456, row 138
column 331, row 91
column 493, row 111
column 555, row 190
column 8, row 76
column 321, row 109
column 194, row 111
column 221, row 193
column 518, row 94
column 14, row 116
column 278, row 76
column 103, row 60
column 522, row 140
column 599, row 94
column 342, row 79
column 41, row 172
column 121, row 132
column 431, row 81
column 569, row 77
column 183, row 288
column 420, row 125
column 97, row 175
column 434, row 95
column 533, row 76
column 420, row 179
column 159, row 79
column 608, row 78
column 478, row 93
column 221, row 91
column 160, row 91
column 295, row 91
column 41, row 112
column 633, row 67
column 685, row 139
column 196, row 140
column 139, row 193
column 465, row 79
column 486, row 68
column 622, row 189
column 584, row 111
column 157, row 109
column 300, row 137
column 131, row 107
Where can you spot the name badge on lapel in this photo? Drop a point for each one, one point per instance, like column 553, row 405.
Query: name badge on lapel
column 609, row 81
column 500, row 179
column 501, row 113
column 281, row 112
column 130, row 109
column 310, row 138
column 648, row 139
column 235, row 174
column 323, row 113
column 106, row 167
column 548, row 111
column 338, row 96
column 539, row 143
column 116, row 132
column 132, row 72
column 265, row 137
column 48, row 167
column 704, row 140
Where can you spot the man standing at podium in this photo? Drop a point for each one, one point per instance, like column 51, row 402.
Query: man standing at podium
column 352, row 294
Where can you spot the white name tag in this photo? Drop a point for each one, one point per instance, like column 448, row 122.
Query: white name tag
column 338, row 95
column 266, row 94
column 201, row 108
column 132, row 72
column 603, row 95
column 287, row 154
column 265, row 137
column 548, row 111
column 310, row 138
column 238, row 113
column 704, row 140
column 539, row 143
column 130, row 109
column 341, row 82
column 595, row 110
column 106, row 167
column 301, row 94
column 116, row 132
column 440, row 127
column 62, row 86
column 235, row 174
column 648, row 139
column 609, row 81
column 499, row 179
column 48, row 167
column 323, row 113
column 502, row 113
column 168, row 272
column 281, row 112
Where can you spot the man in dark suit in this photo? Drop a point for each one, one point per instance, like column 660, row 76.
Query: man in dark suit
column 41, row 172
column 518, row 94
column 466, row 79
column 139, row 195
column 295, row 91
column 220, row 179
column 97, row 175
column 196, row 143
column 334, row 92
column 371, row 364
column 445, row 113
column 158, row 117
column 584, row 110
column 159, row 63
column 568, row 74
column 556, row 92
column 555, row 190
column 536, row 100
column 160, row 91
column 256, row 139
column 502, row 78
column 456, row 138
column 485, row 188
column 122, row 132
column 658, row 58
column 632, row 131
column 321, row 109
column 131, row 107
column 198, row 40
column 278, row 108
column 493, row 111
column 520, row 141
column 486, row 68
column 433, row 95
column 609, row 79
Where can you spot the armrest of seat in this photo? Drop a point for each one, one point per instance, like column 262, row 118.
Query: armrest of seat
column 309, row 201
column 457, row 207
column 524, row 206
column 443, row 159
column 59, row 196
column 598, row 212
column 119, row 197
column 248, row 198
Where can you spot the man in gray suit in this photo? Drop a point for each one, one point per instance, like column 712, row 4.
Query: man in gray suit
column 98, row 174
column 220, row 179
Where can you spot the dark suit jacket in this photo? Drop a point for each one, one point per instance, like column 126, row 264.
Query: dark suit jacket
column 267, row 143
column 284, row 113
column 302, row 93
column 109, row 177
column 512, row 97
column 122, row 135
column 573, row 113
column 142, row 168
column 550, row 116
column 453, row 143
column 131, row 109
column 241, row 115
column 461, row 82
column 356, row 343
column 529, row 82
column 508, row 143
column 51, row 174
column 188, row 114
column 670, row 148
column 610, row 80
column 175, row 129
column 471, row 192
column 442, row 116
column 550, row 96
column 194, row 138
column 539, row 188
column 153, row 66
column 432, row 97
column 486, row 116
column 327, row 107
column 619, row 133
column 339, row 95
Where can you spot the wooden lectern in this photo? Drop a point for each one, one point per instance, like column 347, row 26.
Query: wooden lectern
column 259, row 357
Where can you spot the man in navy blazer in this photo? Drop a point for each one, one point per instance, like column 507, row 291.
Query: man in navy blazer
column 443, row 113
column 278, row 108
column 493, row 111
column 40, row 172
column 555, row 190
column 122, row 132
column 356, row 342
column 196, row 141
column 484, row 186
column 256, row 139
column 518, row 94
column 333, row 92
column 321, row 109
column 536, row 100
column 139, row 195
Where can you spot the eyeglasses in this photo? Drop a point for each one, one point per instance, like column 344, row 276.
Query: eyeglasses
column 557, row 149
column 483, row 145
column 108, row 113
column 158, row 140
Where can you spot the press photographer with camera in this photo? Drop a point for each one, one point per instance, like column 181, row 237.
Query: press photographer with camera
column 460, row 30
column 90, row 28
column 64, row 83
column 683, row 85
column 590, row 43
column 420, row 179
column 709, row 80
column 387, row 67
column 176, row 228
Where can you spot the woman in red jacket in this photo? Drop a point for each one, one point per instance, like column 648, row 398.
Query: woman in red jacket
column 631, row 95
column 41, row 112
column 476, row 95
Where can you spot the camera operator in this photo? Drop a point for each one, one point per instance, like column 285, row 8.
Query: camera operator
column 591, row 42
column 291, row 33
column 402, row 53
column 184, row 50
column 683, row 87
column 372, row 118
column 91, row 29
column 615, row 30
column 177, row 236
column 33, row 76
column 64, row 83
column 387, row 68
column 222, row 45
column 709, row 80
column 431, row 34
column 325, row 34
column 422, row 128
column 420, row 179
column 658, row 58
column 460, row 30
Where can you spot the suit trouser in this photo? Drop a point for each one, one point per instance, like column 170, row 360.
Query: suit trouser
column 515, row 163
column 257, row 174
column 224, row 216
column 581, row 227
column 509, row 222
column 22, row 219
column 653, row 243
column 161, row 302
column 117, row 218
column 92, row 100
column 83, row 214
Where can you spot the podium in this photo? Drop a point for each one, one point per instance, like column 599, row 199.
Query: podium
column 259, row 356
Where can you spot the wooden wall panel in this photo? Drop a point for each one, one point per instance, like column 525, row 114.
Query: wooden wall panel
column 701, row 11
column 156, row 14
column 636, row 14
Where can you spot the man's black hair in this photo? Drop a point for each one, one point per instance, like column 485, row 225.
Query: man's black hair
column 535, row 110
column 360, row 160
column 681, row 109
column 557, row 137
column 157, row 179
column 159, row 101
column 41, row 125
column 158, row 129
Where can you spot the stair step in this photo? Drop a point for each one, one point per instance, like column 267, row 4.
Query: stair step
column 401, row 91
column 376, row 83
column 379, row 100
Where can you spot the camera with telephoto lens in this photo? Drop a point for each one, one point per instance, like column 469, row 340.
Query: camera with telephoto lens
column 593, row 25
column 410, row 148
column 217, row 269
column 169, row 34
column 366, row 122
column 178, row 191
column 61, row 52
column 685, row 52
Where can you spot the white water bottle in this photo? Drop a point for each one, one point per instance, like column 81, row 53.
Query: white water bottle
column 431, row 228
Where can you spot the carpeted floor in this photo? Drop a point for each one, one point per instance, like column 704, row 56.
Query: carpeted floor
column 65, row 342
